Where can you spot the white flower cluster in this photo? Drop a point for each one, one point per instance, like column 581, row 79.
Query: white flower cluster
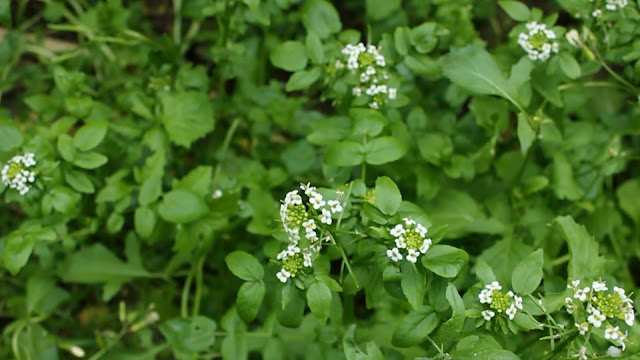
column 369, row 66
column 600, row 307
column 296, row 215
column 410, row 236
column 509, row 303
column 16, row 174
column 613, row 5
column 538, row 43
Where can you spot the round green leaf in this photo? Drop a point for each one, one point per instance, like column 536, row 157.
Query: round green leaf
column 319, row 300
column 90, row 135
column 383, row 150
column 388, row 197
column 10, row 135
column 290, row 56
column 182, row 206
column 244, row 266
column 445, row 260
column 416, row 326
column 344, row 153
column 321, row 17
column 515, row 9
column 249, row 299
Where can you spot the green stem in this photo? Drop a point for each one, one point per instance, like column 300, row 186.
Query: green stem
column 184, row 300
column 225, row 147
column 613, row 73
column 198, row 295
column 177, row 21
column 561, row 345
column 345, row 260
column 344, row 205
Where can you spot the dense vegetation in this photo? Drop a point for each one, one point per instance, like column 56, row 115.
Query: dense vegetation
column 313, row 179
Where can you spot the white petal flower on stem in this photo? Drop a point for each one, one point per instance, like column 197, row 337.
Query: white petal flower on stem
column 326, row 217
column 283, row 275
column 397, row 231
column 335, row 206
column 582, row 354
column 425, row 245
column 511, row 312
column 599, row 286
column 400, row 243
column 394, row 254
column 612, row 333
column 487, row 314
column 596, row 318
column 518, row 301
column 629, row 316
column 582, row 328
column 485, row 296
column 412, row 255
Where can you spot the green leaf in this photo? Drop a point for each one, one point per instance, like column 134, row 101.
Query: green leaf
column 516, row 10
column 144, row 221
column 415, row 327
column 5, row 13
column 190, row 335
column 423, row 37
column 435, row 148
column 401, row 39
column 367, row 121
column 444, row 260
column 344, row 153
column 569, row 65
column 314, row 48
column 628, row 193
column 351, row 351
column 90, row 135
column 303, row 79
column 79, row 181
column 474, row 69
column 16, row 252
column 234, row 346
column 244, row 266
column 150, row 190
column 384, row 150
column 584, row 263
column 449, row 332
column 197, row 180
column 290, row 56
column 484, row 272
column 388, row 197
column 564, row 184
column 423, row 65
column 378, row 10
column 187, row 116
column 97, row 264
column 526, row 135
column 319, row 300
column 321, row 18
column 249, row 299
column 182, row 206
column 413, row 284
column 10, row 135
column 89, row 160
column 527, row 275
column 66, row 148
column 292, row 313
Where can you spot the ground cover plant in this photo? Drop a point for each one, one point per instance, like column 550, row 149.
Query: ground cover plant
column 313, row 179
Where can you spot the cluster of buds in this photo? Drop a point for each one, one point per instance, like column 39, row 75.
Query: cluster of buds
column 538, row 42
column 598, row 307
column 410, row 237
column 369, row 67
column 613, row 5
column 297, row 215
column 499, row 301
column 16, row 173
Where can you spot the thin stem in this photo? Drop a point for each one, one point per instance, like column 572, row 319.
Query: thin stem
column 198, row 295
column 184, row 300
column 344, row 205
column 345, row 260
column 177, row 21
column 613, row 73
column 225, row 147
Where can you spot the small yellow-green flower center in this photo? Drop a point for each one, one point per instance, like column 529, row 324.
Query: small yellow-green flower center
column 293, row 263
column 609, row 305
column 413, row 240
column 365, row 59
column 537, row 40
column 500, row 301
column 296, row 214
column 14, row 169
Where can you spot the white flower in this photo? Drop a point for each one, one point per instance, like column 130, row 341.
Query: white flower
column 372, row 90
column 518, row 301
column 217, row 194
column 283, row 275
column 494, row 286
column 412, row 256
column 317, row 201
column 574, row 285
column 394, row 254
column 511, row 311
column 582, row 328
column 485, row 296
column 420, row 229
column 397, row 231
column 596, row 318
column 425, row 245
column 538, row 41
column 596, row 13
column 599, row 286
column 400, row 243
column 326, row 217
column 370, row 70
column 76, row 351
column 392, row 93
column 582, row 354
column 409, row 221
column 335, row 206
column 612, row 333
column 307, row 259
column 364, row 77
column 488, row 314
column 571, row 307
column 582, row 294
column 629, row 316
column 374, row 105
column 309, row 225
column 357, row 91
column 16, row 175
column 573, row 37
column 614, row 351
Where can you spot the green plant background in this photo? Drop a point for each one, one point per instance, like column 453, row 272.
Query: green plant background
column 166, row 133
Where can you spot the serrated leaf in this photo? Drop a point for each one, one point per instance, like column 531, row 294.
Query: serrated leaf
column 584, row 263
column 187, row 116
